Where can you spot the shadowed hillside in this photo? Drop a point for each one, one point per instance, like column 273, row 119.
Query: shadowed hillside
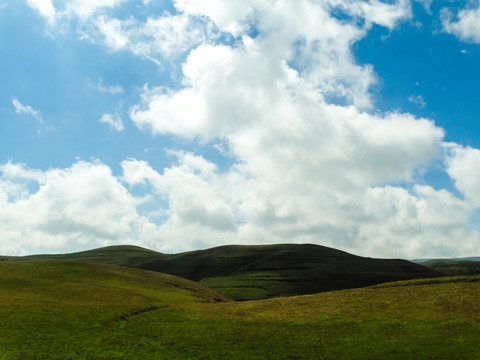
column 259, row 272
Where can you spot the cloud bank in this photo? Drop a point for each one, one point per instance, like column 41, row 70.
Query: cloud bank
column 275, row 86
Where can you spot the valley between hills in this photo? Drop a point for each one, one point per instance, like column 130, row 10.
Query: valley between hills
column 234, row 302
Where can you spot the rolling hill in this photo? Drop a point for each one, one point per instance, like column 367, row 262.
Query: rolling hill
column 452, row 267
column 56, row 309
column 259, row 272
column 56, row 282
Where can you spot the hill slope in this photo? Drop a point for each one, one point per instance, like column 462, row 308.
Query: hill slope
column 58, row 282
column 123, row 318
column 125, row 255
column 452, row 267
column 258, row 272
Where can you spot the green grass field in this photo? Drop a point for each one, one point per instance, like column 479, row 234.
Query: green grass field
column 62, row 310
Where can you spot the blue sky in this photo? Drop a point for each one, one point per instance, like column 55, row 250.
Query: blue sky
column 180, row 125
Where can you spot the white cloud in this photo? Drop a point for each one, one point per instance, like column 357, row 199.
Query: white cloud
column 427, row 222
column 467, row 25
column 27, row 109
column 304, row 30
column 417, row 100
column 114, row 121
column 229, row 16
column 22, row 109
column 85, row 9
column 113, row 90
column 193, row 188
column 167, row 35
column 115, row 38
column 374, row 11
column 77, row 207
column 45, row 8
column 463, row 166
column 20, row 171
column 427, row 4
column 243, row 96
column 301, row 33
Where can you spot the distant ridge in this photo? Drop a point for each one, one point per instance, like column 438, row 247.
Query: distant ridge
column 453, row 267
column 470, row 258
column 259, row 271
column 125, row 255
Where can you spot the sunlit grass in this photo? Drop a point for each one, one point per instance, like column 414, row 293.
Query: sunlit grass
column 60, row 311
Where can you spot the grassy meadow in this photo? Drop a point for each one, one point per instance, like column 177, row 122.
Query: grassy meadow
column 63, row 310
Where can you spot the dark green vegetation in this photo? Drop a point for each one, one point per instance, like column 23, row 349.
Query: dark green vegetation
column 454, row 267
column 259, row 272
column 67, row 310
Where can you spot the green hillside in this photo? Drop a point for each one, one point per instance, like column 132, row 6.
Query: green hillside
column 452, row 267
column 259, row 272
column 86, row 284
column 63, row 310
column 125, row 255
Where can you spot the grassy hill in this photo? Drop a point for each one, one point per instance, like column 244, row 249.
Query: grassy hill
column 67, row 310
column 86, row 284
column 259, row 272
column 125, row 255
column 452, row 267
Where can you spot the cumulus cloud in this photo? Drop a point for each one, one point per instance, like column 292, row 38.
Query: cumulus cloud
column 166, row 35
column 463, row 166
column 45, row 8
column 466, row 26
column 207, row 207
column 77, row 207
column 114, row 121
column 194, row 189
